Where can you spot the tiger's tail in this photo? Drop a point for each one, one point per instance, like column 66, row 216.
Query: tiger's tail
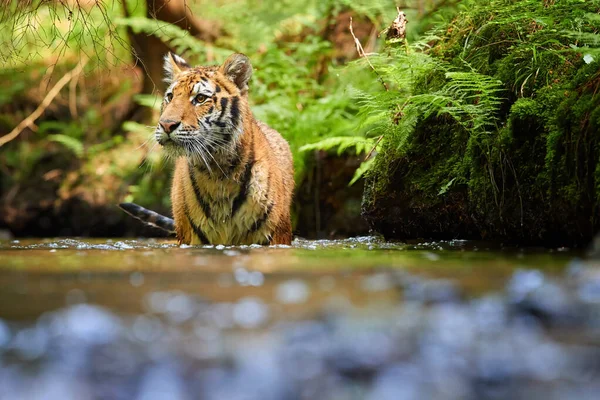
column 149, row 217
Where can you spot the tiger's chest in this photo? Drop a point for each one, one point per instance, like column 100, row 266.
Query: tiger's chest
column 228, row 212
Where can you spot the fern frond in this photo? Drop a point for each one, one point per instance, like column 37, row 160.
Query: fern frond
column 71, row 143
column 361, row 170
column 342, row 143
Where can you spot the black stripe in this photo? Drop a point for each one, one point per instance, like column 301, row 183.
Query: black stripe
column 260, row 222
column 205, row 79
column 235, row 161
column 235, row 111
column 199, row 198
column 211, row 109
column 165, row 223
column 217, row 88
column 223, row 107
column 244, row 184
column 197, row 231
column 148, row 217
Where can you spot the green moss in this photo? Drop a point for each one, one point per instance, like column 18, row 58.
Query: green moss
column 523, row 159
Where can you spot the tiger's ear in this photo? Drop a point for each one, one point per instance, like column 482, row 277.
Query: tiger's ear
column 174, row 65
column 238, row 69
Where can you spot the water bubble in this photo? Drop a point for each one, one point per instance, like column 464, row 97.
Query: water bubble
column 256, row 278
column 147, row 328
column 219, row 247
column 377, row 282
column 156, row 301
column 31, row 343
column 250, row 312
column 161, row 382
column 205, row 333
column 523, row 282
column 221, row 315
column 590, row 292
column 294, row 291
column 490, row 314
column 179, row 307
column 241, row 276
column 91, row 324
column 401, row 381
column 545, row 361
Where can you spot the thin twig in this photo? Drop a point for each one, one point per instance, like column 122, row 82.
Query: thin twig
column 361, row 53
column 44, row 104
column 374, row 147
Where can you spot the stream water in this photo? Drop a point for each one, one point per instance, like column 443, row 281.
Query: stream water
column 351, row 319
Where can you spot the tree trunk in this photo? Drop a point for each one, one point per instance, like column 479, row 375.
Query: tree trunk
column 149, row 51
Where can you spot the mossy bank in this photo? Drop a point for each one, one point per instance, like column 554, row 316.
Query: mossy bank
column 491, row 127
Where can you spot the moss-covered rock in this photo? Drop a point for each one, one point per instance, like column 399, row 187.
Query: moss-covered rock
column 517, row 164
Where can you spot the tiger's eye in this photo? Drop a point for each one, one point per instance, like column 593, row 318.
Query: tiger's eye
column 169, row 97
column 200, row 98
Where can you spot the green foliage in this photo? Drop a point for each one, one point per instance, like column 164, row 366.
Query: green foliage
column 501, row 109
column 36, row 30
column 298, row 86
column 342, row 144
column 286, row 88
column 178, row 39
column 361, row 170
column 69, row 142
column 152, row 101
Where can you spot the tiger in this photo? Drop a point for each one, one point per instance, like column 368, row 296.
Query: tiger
column 234, row 178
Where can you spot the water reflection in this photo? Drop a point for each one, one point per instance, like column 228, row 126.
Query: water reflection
column 151, row 320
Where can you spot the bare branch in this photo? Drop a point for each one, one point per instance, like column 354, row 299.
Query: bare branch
column 361, row 53
column 44, row 104
column 374, row 147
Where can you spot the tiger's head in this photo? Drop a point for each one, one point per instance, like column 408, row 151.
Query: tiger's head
column 203, row 107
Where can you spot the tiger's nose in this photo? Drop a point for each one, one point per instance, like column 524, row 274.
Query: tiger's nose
column 169, row 125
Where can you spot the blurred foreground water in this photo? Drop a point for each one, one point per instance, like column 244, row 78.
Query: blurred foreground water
column 352, row 319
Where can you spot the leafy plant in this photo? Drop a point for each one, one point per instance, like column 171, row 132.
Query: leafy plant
column 69, row 142
column 498, row 109
column 342, row 144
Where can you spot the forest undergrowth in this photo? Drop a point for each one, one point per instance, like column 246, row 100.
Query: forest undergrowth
column 90, row 144
column 490, row 128
column 486, row 124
